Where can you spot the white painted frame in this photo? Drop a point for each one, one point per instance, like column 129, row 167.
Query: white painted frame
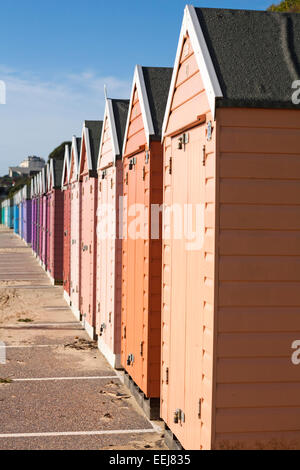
column 191, row 25
column 74, row 151
column 139, row 83
column 66, row 165
column 109, row 114
column 85, row 137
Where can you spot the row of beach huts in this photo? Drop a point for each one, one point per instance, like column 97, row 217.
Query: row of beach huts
column 174, row 227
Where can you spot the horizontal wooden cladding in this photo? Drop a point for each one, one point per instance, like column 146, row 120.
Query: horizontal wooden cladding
column 260, row 217
column 258, row 319
column 264, row 191
column 187, row 69
column 136, row 136
column 256, row 370
column 187, row 90
column 259, row 268
column 276, row 344
column 259, row 118
column 280, row 440
column 274, row 166
column 188, row 112
column 258, row 395
column 263, row 242
column 259, row 294
column 259, row 140
column 258, row 419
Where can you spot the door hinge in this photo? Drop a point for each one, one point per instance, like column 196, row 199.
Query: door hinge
column 199, row 408
column 203, row 156
column 167, row 376
column 126, row 178
column 170, row 165
column 124, row 332
column 144, row 173
column 142, row 348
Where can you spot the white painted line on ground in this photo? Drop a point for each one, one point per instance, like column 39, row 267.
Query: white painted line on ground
column 48, row 379
column 32, row 346
column 79, row 433
column 27, row 287
column 39, row 325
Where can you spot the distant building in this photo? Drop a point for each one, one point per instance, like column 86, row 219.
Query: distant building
column 28, row 165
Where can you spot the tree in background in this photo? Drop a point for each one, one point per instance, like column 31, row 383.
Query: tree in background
column 59, row 152
column 286, row 5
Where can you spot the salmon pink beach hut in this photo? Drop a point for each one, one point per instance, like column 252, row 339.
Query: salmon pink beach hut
column 109, row 242
column 55, row 263
column 65, row 187
column 230, row 295
column 141, row 252
column 75, row 251
column 91, row 133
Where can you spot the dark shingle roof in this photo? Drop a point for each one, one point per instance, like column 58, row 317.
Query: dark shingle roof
column 78, row 144
column 94, row 128
column 157, row 82
column 57, row 170
column 256, row 55
column 120, row 110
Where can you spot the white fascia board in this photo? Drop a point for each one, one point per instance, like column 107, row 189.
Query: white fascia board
column 190, row 25
column 109, row 114
column 66, row 166
column 44, row 184
column 139, row 83
column 48, row 177
column 74, row 155
column 51, row 174
column 113, row 129
column 86, row 139
column 102, row 134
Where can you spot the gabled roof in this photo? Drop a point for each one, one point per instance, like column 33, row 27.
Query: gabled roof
column 44, row 180
column 56, row 169
column 75, row 154
column 26, row 190
column 246, row 58
column 39, row 183
column 116, row 110
column 32, row 187
column 66, row 166
column 91, row 133
column 152, row 85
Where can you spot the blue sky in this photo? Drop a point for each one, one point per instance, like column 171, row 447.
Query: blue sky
column 55, row 57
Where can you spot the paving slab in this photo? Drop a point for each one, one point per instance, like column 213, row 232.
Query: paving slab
column 63, row 393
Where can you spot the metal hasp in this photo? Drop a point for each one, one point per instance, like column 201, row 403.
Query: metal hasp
column 179, row 416
column 209, row 130
column 130, row 359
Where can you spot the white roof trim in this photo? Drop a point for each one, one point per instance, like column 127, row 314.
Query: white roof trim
column 109, row 114
column 74, row 151
column 44, row 180
column 51, row 173
column 138, row 81
column 86, row 138
column 66, row 164
column 48, row 177
column 190, row 25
